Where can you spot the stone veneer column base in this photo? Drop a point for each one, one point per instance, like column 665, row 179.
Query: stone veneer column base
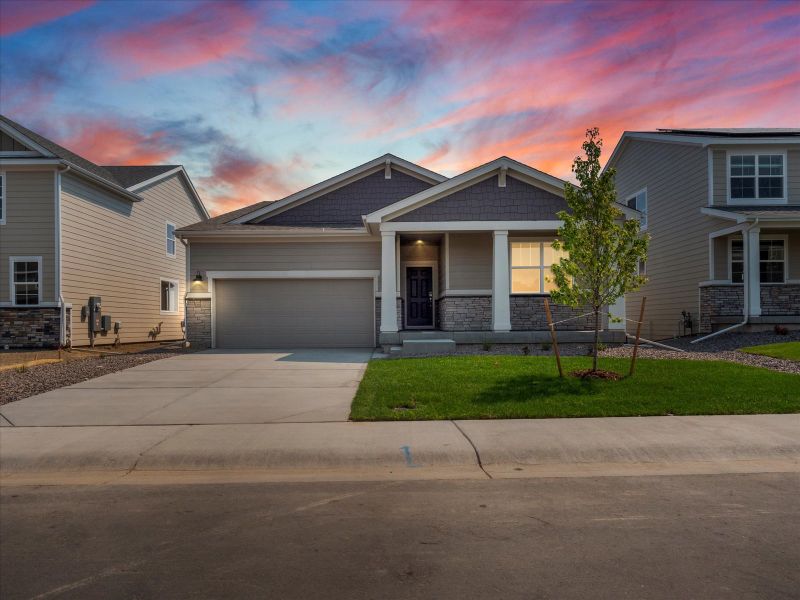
column 198, row 322
column 465, row 313
column 30, row 327
column 528, row 314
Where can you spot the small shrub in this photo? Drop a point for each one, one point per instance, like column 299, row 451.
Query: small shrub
column 22, row 368
column 601, row 346
column 781, row 330
column 546, row 346
column 526, row 351
column 486, row 346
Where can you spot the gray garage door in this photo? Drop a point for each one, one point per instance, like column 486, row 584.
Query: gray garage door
column 294, row 313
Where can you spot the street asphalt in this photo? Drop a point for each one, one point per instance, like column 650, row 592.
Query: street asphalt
column 701, row 536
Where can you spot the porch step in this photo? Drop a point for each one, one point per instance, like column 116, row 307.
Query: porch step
column 429, row 346
column 425, row 334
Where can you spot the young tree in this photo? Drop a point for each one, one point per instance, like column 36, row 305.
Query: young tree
column 602, row 251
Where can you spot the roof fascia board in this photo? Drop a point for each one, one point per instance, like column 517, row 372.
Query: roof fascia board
column 187, row 179
column 252, row 233
column 73, row 168
column 438, row 226
column 24, row 139
column 723, row 214
column 30, row 163
column 339, row 180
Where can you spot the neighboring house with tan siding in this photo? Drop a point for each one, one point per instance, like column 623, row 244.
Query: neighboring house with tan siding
column 386, row 253
column 71, row 230
column 722, row 207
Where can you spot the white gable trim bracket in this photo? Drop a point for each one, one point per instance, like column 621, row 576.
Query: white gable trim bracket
column 386, row 162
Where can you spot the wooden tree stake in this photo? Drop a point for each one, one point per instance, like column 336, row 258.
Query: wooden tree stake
column 553, row 336
column 638, row 333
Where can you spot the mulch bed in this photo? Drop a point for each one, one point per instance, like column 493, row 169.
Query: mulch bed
column 598, row 374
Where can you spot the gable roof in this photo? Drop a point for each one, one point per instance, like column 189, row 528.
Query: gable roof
column 500, row 165
column 125, row 180
column 709, row 136
column 337, row 181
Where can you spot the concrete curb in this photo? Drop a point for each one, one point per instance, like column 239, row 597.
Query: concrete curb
column 414, row 449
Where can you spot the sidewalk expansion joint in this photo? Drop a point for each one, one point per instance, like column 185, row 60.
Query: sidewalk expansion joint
column 146, row 450
column 474, row 447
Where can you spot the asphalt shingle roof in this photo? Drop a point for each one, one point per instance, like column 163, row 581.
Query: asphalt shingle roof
column 736, row 132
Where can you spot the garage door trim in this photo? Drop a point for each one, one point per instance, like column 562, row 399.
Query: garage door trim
column 321, row 274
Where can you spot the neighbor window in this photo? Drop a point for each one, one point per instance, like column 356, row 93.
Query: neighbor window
column 639, row 202
column 756, row 176
column 530, row 267
column 170, row 239
column 2, row 198
column 169, row 295
column 26, row 277
column 771, row 261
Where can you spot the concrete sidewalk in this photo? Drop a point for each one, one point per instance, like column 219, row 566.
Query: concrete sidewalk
column 407, row 450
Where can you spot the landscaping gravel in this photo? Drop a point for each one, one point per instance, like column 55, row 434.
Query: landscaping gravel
column 16, row 385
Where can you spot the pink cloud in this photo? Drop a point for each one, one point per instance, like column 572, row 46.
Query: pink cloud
column 110, row 142
column 19, row 15
column 209, row 32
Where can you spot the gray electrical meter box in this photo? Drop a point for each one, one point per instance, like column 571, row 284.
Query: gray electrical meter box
column 105, row 323
column 95, row 312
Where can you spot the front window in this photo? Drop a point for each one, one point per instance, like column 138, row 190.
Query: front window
column 771, row 261
column 530, row 267
column 169, row 296
column 26, row 275
column 757, row 177
column 170, row 239
column 639, row 202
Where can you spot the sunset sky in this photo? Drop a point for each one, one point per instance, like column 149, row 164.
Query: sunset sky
column 259, row 99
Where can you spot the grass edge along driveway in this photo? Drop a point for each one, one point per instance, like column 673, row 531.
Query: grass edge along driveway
column 784, row 350
column 507, row 387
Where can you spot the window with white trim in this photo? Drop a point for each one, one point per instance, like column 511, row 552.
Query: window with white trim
column 2, row 198
column 757, row 176
column 530, row 267
column 170, row 239
column 771, row 260
column 26, row 279
column 169, row 296
column 638, row 201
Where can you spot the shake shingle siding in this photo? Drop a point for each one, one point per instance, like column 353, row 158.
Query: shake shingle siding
column 486, row 201
column 345, row 206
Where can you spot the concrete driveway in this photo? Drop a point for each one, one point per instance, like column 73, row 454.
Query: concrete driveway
column 212, row 387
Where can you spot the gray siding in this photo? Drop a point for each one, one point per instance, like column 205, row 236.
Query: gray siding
column 30, row 228
column 471, row 258
column 9, row 144
column 116, row 249
column 282, row 256
column 345, row 206
column 487, row 201
column 676, row 178
column 720, row 169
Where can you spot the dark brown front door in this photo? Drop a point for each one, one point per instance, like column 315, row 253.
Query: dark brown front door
column 419, row 296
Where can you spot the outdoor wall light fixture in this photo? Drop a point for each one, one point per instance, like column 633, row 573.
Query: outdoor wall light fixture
column 198, row 278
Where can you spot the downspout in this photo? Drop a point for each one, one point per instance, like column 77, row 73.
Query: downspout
column 746, row 290
column 186, row 289
column 62, row 335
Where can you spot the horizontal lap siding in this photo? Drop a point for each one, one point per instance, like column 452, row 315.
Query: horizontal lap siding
column 284, row 256
column 30, row 228
column 117, row 250
column 676, row 178
column 720, row 170
column 471, row 258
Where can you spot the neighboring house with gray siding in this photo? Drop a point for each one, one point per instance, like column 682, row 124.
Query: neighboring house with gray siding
column 71, row 229
column 722, row 208
column 385, row 253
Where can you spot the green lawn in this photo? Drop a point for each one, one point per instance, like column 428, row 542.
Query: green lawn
column 786, row 350
column 495, row 387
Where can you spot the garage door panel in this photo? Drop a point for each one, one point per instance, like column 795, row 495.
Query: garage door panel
column 272, row 313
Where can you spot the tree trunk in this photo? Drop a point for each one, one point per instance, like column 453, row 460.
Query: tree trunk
column 596, row 338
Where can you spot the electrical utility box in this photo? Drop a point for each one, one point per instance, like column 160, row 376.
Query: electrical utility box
column 105, row 323
column 95, row 313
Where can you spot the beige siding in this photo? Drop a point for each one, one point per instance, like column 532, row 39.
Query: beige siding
column 30, row 228
column 722, row 244
column 794, row 254
column 676, row 178
column 721, row 171
column 470, row 261
column 721, row 258
column 116, row 249
column 282, row 256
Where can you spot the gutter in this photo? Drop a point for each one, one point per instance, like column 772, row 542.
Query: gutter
column 746, row 290
column 102, row 182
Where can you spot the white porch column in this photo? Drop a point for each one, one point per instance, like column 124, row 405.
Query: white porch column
column 751, row 247
column 617, row 310
column 388, row 282
column 501, row 284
